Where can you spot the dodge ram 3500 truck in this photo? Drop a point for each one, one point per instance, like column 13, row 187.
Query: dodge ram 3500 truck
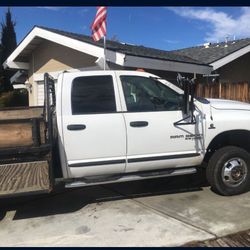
column 117, row 126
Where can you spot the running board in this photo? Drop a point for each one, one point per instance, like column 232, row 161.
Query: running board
column 130, row 177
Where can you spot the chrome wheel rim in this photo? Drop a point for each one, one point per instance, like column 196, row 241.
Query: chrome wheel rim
column 234, row 172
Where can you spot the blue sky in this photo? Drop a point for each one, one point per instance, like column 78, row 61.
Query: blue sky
column 165, row 28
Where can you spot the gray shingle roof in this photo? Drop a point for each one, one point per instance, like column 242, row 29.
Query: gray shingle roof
column 214, row 52
column 128, row 49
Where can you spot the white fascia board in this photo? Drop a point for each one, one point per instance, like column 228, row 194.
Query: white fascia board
column 15, row 65
column 133, row 61
column 15, row 76
column 84, row 47
column 10, row 60
column 227, row 59
column 19, row 86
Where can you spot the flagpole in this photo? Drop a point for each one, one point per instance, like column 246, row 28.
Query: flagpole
column 99, row 30
column 104, row 52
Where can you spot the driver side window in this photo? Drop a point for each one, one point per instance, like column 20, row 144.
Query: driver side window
column 144, row 94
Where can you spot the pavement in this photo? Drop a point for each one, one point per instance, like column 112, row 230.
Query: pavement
column 161, row 212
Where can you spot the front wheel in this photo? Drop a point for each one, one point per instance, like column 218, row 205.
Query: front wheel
column 228, row 171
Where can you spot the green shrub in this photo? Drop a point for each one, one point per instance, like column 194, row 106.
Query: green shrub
column 16, row 98
column 5, row 99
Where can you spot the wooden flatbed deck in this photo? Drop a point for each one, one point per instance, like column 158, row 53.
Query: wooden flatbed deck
column 24, row 155
column 241, row 239
column 24, row 177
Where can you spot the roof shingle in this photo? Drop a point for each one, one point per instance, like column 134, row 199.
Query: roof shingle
column 214, row 51
column 130, row 49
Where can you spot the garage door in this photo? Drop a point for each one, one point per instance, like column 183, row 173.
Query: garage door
column 40, row 93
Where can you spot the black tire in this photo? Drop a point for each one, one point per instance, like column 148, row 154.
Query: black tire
column 216, row 166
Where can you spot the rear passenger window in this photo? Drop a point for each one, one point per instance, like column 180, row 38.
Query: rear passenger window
column 93, row 94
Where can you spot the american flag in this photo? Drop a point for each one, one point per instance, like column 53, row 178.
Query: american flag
column 98, row 27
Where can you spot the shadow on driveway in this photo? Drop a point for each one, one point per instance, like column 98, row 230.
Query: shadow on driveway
column 71, row 200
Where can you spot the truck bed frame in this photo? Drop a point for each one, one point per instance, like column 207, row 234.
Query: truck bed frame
column 26, row 141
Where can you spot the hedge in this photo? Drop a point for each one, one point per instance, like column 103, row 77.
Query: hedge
column 15, row 98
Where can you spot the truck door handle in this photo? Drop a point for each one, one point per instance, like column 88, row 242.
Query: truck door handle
column 76, row 127
column 139, row 124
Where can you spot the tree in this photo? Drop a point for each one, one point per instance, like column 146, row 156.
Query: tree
column 8, row 44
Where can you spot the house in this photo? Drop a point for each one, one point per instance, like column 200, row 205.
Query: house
column 229, row 59
column 54, row 51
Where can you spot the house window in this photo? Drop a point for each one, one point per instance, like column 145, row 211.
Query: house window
column 93, row 94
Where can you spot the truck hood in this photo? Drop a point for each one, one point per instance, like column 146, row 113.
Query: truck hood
column 228, row 104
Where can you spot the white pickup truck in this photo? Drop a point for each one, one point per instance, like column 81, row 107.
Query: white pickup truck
column 117, row 126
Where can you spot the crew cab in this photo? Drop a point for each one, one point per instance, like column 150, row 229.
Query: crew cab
column 118, row 126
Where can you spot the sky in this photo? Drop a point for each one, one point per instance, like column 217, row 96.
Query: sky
column 166, row 28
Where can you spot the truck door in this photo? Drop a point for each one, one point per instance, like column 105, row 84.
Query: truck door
column 154, row 142
column 94, row 133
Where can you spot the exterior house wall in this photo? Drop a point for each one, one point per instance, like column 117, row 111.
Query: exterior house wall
column 50, row 57
column 236, row 71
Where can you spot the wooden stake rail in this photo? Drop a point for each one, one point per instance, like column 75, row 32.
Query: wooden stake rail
column 24, row 127
column 26, row 153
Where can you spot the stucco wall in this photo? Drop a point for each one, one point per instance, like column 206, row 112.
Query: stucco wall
column 49, row 57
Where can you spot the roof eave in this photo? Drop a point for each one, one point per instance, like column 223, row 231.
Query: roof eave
column 97, row 51
column 133, row 61
column 231, row 57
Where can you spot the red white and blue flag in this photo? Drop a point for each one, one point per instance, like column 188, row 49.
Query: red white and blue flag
column 99, row 25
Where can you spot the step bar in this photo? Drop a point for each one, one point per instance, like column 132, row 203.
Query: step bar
column 130, row 177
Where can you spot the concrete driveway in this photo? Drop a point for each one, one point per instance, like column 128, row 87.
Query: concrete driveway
column 160, row 212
